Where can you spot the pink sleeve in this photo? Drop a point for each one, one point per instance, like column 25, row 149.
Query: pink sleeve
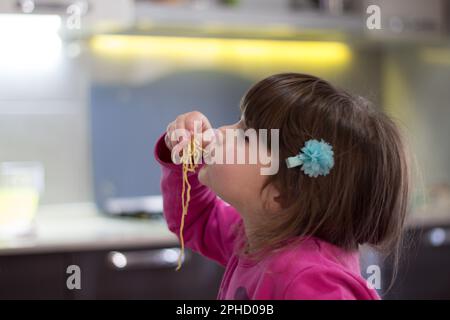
column 316, row 283
column 208, row 227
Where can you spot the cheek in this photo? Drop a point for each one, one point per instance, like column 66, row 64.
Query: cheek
column 216, row 177
column 233, row 183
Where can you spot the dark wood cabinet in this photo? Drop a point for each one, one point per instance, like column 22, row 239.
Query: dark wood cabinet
column 423, row 269
column 33, row 277
column 142, row 274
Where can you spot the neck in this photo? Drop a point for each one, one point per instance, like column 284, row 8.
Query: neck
column 250, row 226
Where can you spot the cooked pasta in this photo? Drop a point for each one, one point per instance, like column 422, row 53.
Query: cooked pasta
column 189, row 159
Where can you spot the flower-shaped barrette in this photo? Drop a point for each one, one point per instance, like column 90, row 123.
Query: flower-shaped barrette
column 315, row 158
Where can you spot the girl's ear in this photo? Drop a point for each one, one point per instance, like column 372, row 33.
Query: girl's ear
column 273, row 199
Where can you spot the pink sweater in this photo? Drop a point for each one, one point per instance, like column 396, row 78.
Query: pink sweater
column 313, row 269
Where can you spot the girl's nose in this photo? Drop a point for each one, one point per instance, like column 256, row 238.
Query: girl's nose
column 223, row 128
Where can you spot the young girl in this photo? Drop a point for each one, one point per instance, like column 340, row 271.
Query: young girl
column 342, row 182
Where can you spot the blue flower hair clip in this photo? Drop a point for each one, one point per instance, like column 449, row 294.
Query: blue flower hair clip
column 315, row 158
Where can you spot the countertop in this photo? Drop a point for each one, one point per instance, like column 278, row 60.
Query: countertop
column 80, row 227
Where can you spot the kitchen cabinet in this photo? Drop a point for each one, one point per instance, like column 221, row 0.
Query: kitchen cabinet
column 118, row 258
column 44, row 276
column 423, row 270
column 32, row 277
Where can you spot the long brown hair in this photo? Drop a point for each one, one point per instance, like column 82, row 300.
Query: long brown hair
column 364, row 199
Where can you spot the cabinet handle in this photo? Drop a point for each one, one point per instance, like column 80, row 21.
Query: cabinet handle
column 437, row 237
column 148, row 259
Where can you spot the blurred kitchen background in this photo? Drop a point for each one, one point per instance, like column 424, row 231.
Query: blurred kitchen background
column 86, row 88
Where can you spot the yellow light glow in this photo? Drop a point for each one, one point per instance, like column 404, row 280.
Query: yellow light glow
column 223, row 51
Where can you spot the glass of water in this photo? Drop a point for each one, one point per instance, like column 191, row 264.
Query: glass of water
column 21, row 184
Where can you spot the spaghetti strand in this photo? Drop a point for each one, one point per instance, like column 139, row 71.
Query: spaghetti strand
column 189, row 160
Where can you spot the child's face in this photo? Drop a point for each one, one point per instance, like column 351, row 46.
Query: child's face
column 239, row 185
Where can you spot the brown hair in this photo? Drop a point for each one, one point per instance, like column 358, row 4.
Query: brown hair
column 364, row 199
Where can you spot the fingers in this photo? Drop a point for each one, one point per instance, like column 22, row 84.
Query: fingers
column 170, row 137
column 184, row 126
column 197, row 122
